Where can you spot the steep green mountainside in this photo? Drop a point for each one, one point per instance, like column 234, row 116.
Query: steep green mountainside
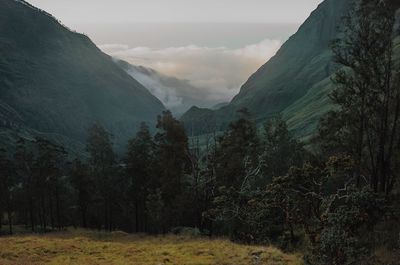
column 56, row 82
column 295, row 83
column 303, row 61
column 298, row 70
column 303, row 115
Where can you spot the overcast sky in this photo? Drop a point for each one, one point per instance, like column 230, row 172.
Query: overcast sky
column 126, row 11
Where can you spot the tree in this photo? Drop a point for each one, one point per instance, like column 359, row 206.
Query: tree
column 342, row 239
column 280, row 150
column 235, row 166
column 8, row 183
column 140, row 174
column 156, row 211
column 84, row 186
column 102, row 169
column 24, row 165
column 237, row 151
column 367, row 93
column 173, row 165
column 49, row 168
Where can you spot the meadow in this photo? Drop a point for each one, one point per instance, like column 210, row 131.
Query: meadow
column 89, row 247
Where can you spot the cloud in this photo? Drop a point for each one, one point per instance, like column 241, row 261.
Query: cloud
column 114, row 47
column 167, row 94
column 218, row 72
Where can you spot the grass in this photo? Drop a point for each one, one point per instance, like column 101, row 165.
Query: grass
column 86, row 247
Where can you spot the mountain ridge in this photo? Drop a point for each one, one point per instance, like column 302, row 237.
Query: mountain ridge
column 302, row 62
column 58, row 82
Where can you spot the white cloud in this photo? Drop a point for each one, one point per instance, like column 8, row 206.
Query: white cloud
column 219, row 71
column 168, row 95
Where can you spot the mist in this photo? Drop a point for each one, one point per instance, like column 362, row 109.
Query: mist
column 213, row 74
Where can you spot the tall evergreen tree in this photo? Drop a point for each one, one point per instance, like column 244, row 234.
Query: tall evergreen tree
column 140, row 173
column 83, row 184
column 24, row 165
column 49, row 169
column 173, row 165
column 8, row 184
column 237, row 151
column 102, row 168
column 280, row 150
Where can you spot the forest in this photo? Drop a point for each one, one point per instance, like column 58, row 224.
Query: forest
column 335, row 196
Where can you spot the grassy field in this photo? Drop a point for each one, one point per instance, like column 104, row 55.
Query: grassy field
column 84, row 247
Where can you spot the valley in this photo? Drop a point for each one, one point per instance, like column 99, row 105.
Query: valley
column 212, row 135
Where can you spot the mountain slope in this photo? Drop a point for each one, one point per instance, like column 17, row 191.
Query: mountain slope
column 301, row 63
column 304, row 114
column 57, row 82
column 176, row 94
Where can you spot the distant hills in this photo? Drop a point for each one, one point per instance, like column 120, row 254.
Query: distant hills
column 177, row 95
column 55, row 83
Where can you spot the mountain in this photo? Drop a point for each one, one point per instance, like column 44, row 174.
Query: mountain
column 176, row 94
column 295, row 82
column 55, row 82
column 219, row 105
column 199, row 121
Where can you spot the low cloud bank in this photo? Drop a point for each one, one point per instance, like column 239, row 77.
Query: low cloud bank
column 215, row 74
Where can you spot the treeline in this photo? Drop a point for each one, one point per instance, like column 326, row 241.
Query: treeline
column 337, row 198
column 159, row 185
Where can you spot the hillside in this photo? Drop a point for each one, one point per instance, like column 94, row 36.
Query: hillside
column 295, row 83
column 176, row 94
column 84, row 247
column 56, row 83
column 199, row 121
column 295, row 77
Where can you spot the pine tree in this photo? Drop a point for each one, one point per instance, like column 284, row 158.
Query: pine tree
column 24, row 165
column 140, row 173
column 237, row 151
column 281, row 150
column 173, row 165
column 84, row 186
column 8, row 186
column 49, row 169
column 102, row 168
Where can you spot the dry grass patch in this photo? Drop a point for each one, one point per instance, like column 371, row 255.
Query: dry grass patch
column 83, row 247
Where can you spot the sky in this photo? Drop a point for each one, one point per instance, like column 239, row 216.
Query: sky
column 215, row 45
column 124, row 11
